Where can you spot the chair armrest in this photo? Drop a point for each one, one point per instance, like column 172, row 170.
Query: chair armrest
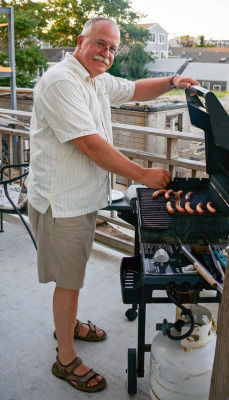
column 6, row 181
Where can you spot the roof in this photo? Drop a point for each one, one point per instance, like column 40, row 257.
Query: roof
column 56, row 54
column 201, row 54
column 147, row 26
column 167, row 65
column 207, row 72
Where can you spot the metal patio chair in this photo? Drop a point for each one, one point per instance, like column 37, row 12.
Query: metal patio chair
column 9, row 207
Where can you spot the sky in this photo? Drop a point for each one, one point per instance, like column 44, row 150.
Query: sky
column 187, row 17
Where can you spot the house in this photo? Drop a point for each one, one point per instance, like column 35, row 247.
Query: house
column 166, row 67
column 212, row 76
column 201, row 54
column 38, row 43
column 219, row 43
column 159, row 44
column 56, row 54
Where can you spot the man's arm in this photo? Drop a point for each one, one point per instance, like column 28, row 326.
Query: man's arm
column 109, row 158
column 149, row 89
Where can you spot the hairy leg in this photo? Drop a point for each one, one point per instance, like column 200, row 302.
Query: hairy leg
column 65, row 303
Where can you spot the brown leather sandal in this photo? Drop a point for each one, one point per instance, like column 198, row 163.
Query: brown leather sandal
column 66, row 372
column 91, row 336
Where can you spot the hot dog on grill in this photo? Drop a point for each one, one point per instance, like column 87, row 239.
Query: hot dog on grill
column 188, row 208
column 178, row 202
column 158, row 192
column 210, row 207
column 199, row 208
column 167, row 194
column 179, row 208
column 188, row 195
column 169, row 207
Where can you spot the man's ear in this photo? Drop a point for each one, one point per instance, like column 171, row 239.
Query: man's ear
column 80, row 40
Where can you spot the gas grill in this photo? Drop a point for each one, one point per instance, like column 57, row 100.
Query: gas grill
column 143, row 274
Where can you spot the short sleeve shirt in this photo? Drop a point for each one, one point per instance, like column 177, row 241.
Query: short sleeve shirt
column 68, row 105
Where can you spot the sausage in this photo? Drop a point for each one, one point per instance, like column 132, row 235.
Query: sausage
column 188, row 195
column 199, row 208
column 179, row 208
column 188, row 208
column 167, row 194
column 210, row 207
column 161, row 191
column 169, row 207
column 180, row 192
column 178, row 202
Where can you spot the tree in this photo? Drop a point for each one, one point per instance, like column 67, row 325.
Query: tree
column 186, row 41
column 66, row 20
column 203, row 43
column 29, row 22
column 137, row 60
column 61, row 21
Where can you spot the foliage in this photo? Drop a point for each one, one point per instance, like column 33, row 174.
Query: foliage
column 29, row 22
column 203, row 43
column 28, row 61
column 137, row 60
column 186, row 41
column 60, row 22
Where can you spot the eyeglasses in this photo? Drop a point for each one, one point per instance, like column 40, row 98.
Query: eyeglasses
column 103, row 47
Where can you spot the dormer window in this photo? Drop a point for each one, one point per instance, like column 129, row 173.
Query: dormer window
column 223, row 59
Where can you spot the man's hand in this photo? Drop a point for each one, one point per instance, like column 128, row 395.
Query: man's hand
column 182, row 82
column 156, row 178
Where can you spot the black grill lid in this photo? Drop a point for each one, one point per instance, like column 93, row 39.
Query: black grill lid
column 212, row 118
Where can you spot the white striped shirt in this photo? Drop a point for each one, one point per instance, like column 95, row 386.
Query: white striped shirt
column 67, row 106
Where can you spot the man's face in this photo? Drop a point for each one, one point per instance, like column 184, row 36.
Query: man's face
column 95, row 59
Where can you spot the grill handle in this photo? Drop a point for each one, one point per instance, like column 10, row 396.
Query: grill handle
column 204, row 273
column 197, row 90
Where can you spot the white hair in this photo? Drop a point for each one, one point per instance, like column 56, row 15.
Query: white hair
column 89, row 24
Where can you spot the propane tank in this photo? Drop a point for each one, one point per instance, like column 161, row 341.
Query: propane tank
column 181, row 369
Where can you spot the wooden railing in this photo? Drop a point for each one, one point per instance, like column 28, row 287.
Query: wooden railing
column 19, row 128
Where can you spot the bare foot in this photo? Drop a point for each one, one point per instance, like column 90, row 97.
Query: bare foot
column 81, row 370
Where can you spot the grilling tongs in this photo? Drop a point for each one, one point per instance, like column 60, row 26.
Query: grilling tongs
column 200, row 268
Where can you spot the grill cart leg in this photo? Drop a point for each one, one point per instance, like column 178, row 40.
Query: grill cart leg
column 132, row 371
column 141, row 338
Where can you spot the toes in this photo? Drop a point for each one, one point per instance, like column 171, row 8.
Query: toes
column 95, row 381
column 99, row 332
column 99, row 378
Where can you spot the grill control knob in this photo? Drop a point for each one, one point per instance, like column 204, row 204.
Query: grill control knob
column 161, row 256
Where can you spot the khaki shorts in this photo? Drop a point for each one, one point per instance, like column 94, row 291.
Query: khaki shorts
column 63, row 247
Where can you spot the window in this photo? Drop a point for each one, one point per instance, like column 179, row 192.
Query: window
column 153, row 38
column 223, row 59
column 190, row 59
column 161, row 38
column 217, row 88
column 206, row 85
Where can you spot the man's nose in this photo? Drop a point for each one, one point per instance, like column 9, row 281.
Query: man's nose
column 106, row 51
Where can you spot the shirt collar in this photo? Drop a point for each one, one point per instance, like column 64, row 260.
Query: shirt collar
column 77, row 66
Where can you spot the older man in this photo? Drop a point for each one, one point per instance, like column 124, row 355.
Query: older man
column 71, row 154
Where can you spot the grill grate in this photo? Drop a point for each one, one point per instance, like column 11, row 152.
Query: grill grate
column 154, row 214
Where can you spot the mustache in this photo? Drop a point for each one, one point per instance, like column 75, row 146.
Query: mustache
column 101, row 58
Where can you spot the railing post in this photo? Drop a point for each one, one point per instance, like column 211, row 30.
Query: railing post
column 1, row 147
column 172, row 153
column 10, row 153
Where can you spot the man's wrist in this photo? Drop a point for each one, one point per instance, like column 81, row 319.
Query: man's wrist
column 171, row 81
